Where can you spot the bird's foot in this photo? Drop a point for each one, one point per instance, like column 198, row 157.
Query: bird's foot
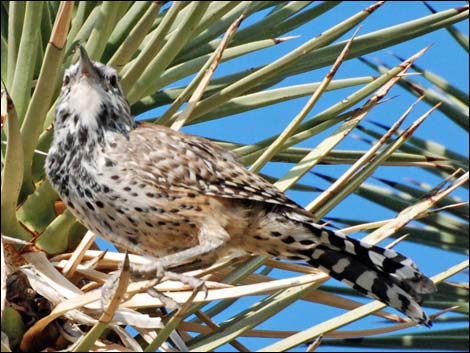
column 156, row 270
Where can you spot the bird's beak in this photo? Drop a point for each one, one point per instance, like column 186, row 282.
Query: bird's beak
column 86, row 66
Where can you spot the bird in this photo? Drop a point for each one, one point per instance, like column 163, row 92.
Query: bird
column 187, row 202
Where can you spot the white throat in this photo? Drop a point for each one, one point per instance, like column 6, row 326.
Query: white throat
column 85, row 100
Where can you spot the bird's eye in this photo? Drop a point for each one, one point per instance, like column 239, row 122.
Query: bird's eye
column 66, row 79
column 113, row 81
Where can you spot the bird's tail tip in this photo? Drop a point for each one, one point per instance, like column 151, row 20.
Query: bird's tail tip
column 403, row 294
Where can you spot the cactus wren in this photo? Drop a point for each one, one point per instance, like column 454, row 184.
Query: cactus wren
column 187, row 202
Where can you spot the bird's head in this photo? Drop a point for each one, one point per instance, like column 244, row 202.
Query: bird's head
column 92, row 97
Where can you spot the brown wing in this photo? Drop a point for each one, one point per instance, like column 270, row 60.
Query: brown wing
column 177, row 161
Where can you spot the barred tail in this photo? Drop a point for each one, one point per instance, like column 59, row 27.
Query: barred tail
column 379, row 273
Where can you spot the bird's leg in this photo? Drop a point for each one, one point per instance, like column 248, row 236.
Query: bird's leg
column 158, row 266
column 212, row 238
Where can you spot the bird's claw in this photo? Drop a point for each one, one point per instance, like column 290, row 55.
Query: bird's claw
column 158, row 272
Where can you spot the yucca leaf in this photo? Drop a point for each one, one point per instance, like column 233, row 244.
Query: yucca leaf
column 322, row 120
column 354, row 180
column 44, row 91
column 55, row 238
column 456, row 113
column 107, row 18
column 441, row 83
column 124, row 26
column 264, row 73
column 460, row 38
column 16, row 14
column 186, row 26
column 26, row 58
column 380, row 39
column 135, row 68
column 433, row 148
column 461, row 211
column 249, row 318
column 439, row 340
column 198, row 46
column 129, row 45
column 12, row 171
column 38, row 211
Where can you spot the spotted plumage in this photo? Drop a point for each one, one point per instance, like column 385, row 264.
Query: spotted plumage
column 187, row 201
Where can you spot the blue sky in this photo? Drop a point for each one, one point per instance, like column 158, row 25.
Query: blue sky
column 445, row 58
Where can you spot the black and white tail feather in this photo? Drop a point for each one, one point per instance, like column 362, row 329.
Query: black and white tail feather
column 382, row 274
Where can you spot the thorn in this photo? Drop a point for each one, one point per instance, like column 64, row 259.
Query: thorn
column 385, row 181
column 284, row 39
column 396, row 241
